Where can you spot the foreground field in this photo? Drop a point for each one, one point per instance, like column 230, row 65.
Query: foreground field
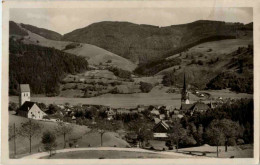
column 107, row 155
column 243, row 151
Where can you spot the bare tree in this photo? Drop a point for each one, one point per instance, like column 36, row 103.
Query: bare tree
column 29, row 130
column 13, row 135
column 64, row 129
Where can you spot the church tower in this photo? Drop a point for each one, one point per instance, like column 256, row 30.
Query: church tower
column 24, row 93
column 184, row 93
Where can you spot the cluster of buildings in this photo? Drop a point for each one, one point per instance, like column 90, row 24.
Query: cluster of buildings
column 160, row 114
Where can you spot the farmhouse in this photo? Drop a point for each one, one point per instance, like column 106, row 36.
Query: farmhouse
column 31, row 110
column 160, row 130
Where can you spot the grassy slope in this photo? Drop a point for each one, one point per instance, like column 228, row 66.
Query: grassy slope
column 79, row 132
column 219, row 49
column 94, row 54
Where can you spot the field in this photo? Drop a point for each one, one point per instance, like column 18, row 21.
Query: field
column 107, row 155
column 80, row 136
column 243, row 151
column 157, row 96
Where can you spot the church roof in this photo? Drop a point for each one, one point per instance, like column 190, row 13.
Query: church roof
column 27, row 105
column 201, row 106
column 186, row 106
column 197, row 105
column 24, row 88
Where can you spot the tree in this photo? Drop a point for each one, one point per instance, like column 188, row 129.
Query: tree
column 142, row 129
column 146, row 87
column 49, row 141
column 231, row 130
column 13, row 135
column 64, row 129
column 12, row 106
column 29, row 130
column 177, row 133
column 215, row 134
column 199, row 137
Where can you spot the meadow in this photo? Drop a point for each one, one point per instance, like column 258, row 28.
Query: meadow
column 80, row 136
column 157, row 96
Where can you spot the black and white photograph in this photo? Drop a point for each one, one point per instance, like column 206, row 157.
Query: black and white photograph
column 130, row 83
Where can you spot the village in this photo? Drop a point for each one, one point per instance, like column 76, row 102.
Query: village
column 160, row 117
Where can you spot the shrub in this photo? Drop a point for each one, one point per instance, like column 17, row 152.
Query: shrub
column 146, row 87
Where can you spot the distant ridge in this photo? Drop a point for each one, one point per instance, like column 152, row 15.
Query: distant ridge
column 146, row 43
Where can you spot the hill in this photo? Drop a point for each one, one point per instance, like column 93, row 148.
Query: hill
column 43, row 32
column 93, row 54
column 146, row 43
column 232, row 69
column 41, row 67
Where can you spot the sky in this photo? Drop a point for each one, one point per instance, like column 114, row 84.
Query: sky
column 67, row 20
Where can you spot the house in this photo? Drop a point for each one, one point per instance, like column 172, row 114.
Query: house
column 177, row 116
column 141, row 108
column 31, row 110
column 123, row 111
column 156, row 120
column 170, row 108
column 24, row 94
column 110, row 114
column 160, row 130
column 155, row 112
column 162, row 116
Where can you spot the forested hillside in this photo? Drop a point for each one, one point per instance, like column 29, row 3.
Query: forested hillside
column 146, row 43
column 43, row 32
column 41, row 67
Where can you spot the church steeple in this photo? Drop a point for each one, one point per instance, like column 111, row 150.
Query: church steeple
column 184, row 94
column 184, row 83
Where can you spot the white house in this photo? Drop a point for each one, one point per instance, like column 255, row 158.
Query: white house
column 31, row 110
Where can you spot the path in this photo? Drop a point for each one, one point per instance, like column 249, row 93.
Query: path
column 42, row 154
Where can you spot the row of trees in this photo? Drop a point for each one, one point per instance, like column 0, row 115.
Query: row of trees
column 32, row 129
column 120, row 72
column 156, row 66
column 218, row 132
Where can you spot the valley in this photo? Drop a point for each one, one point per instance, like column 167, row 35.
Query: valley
column 203, row 58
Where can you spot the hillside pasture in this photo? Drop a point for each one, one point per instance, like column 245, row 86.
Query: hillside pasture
column 22, row 144
column 93, row 54
column 80, row 136
column 206, row 52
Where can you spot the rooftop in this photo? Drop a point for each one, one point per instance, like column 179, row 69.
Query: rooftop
column 24, row 88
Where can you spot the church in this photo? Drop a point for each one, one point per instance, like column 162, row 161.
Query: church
column 186, row 106
column 28, row 108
